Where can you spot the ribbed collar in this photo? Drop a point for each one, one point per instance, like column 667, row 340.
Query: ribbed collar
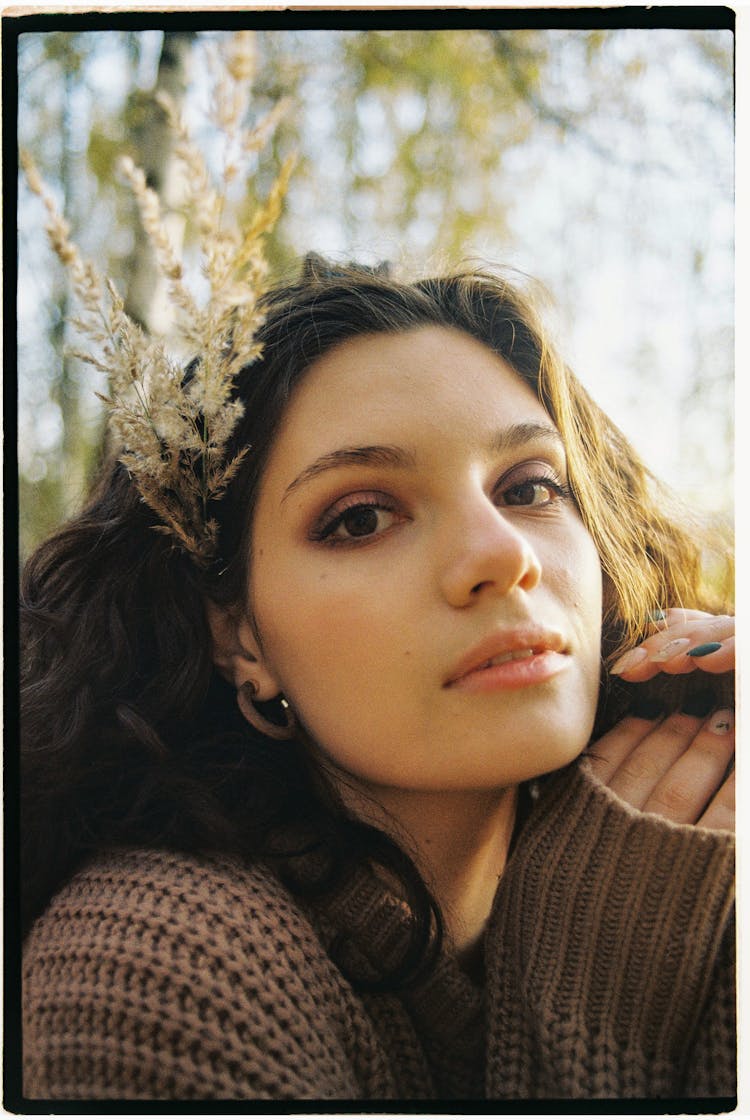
column 446, row 1006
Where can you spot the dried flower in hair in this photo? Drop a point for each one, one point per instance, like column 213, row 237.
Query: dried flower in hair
column 174, row 430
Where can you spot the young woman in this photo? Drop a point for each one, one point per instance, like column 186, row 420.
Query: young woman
column 315, row 820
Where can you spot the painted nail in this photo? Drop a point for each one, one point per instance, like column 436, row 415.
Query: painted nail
column 656, row 616
column 722, row 722
column 629, row 660
column 647, row 707
column 698, row 703
column 671, row 649
column 704, row 650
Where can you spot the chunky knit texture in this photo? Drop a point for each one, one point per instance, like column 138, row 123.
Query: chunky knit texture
column 609, row 973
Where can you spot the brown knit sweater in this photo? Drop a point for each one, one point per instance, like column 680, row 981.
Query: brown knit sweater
column 609, row 973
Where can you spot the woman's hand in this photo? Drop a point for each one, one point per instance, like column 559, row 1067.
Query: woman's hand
column 682, row 641
column 678, row 767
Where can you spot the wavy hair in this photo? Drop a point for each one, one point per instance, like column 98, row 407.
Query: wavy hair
column 130, row 737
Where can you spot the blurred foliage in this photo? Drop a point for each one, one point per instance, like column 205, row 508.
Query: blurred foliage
column 447, row 106
column 423, row 145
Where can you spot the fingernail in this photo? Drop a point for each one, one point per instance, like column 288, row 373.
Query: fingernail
column 671, row 649
column 656, row 616
column 647, row 707
column 629, row 660
column 698, row 703
column 704, row 650
column 722, row 722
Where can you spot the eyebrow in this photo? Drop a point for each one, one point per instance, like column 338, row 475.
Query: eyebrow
column 402, row 458
column 377, row 455
column 517, row 435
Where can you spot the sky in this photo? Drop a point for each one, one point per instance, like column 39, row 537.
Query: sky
column 615, row 242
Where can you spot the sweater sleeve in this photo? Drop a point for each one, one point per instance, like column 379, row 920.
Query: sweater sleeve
column 611, row 954
column 159, row 976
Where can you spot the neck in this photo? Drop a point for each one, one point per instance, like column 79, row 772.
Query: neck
column 459, row 842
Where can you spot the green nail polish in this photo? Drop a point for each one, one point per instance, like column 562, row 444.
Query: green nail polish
column 656, row 616
column 704, row 650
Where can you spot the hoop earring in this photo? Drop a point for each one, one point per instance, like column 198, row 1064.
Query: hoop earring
column 246, row 694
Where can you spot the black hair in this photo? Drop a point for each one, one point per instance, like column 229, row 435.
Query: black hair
column 129, row 735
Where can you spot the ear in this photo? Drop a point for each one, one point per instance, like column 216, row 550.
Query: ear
column 236, row 652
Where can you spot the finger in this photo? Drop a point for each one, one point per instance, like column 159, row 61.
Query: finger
column 720, row 812
column 607, row 754
column 676, row 616
column 689, row 638
column 637, row 666
column 677, row 657
column 680, row 656
column 691, row 782
column 643, row 769
column 712, row 660
column 707, row 642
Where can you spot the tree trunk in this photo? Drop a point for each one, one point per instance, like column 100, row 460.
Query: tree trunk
column 152, row 139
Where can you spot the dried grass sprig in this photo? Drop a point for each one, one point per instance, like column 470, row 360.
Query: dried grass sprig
column 174, row 431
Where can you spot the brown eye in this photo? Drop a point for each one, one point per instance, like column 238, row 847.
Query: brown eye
column 360, row 521
column 533, row 492
column 528, row 494
column 357, row 521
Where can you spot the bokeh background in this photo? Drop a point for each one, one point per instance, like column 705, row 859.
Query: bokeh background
column 596, row 160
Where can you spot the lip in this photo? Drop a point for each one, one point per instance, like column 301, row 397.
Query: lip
column 530, row 654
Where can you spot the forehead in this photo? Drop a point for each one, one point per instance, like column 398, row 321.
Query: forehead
column 389, row 385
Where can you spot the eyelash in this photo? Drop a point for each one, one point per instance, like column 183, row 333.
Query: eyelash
column 327, row 525
column 560, row 489
column 323, row 531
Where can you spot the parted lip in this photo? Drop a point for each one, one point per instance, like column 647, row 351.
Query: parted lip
column 516, row 639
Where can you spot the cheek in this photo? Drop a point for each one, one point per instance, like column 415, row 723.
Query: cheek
column 584, row 571
column 333, row 667
column 589, row 592
column 319, row 636
column 348, row 661
column 578, row 584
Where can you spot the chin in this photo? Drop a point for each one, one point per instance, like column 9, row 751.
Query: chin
column 537, row 762
column 558, row 763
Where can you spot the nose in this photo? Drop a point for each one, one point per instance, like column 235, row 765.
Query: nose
column 486, row 553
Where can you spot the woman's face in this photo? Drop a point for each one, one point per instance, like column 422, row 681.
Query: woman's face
column 427, row 596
